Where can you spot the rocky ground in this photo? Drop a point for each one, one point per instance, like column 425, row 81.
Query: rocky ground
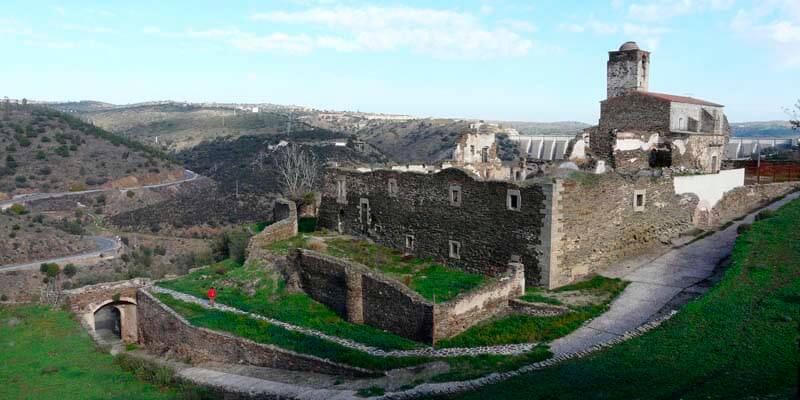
column 27, row 238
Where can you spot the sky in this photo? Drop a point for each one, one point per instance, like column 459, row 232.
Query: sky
column 503, row 59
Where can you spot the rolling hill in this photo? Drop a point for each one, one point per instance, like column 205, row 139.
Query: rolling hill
column 45, row 150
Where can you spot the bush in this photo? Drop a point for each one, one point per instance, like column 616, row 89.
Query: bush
column 18, row 209
column 50, row 269
column 742, row 228
column 12, row 235
column 3, row 298
column 306, row 224
column 70, row 270
column 231, row 244
column 130, row 194
column 41, row 155
column 764, row 214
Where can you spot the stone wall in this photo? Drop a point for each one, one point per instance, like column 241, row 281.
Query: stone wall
column 634, row 112
column 457, row 315
column 163, row 331
column 489, row 233
column 601, row 226
column 742, row 200
column 285, row 226
column 364, row 296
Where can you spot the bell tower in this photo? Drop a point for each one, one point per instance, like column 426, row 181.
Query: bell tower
column 628, row 70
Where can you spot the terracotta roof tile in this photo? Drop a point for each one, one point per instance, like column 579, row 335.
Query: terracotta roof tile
column 681, row 99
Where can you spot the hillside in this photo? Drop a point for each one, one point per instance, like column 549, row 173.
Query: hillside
column 46, row 150
column 29, row 238
column 545, row 128
column 245, row 164
column 763, row 129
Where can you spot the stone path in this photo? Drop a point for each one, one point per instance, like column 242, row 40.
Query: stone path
column 653, row 284
column 510, row 349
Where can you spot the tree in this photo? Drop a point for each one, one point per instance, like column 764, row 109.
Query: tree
column 298, row 170
column 795, row 121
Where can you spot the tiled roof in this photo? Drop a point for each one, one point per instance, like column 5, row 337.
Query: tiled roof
column 681, row 99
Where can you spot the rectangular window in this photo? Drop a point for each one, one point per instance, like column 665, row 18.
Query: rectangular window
column 410, row 242
column 472, row 149
column 485, row 154
column 392, row 187
column 455, row 249
column 455, row 195
column 639, row 199
column 513, row 200
column 341, row 190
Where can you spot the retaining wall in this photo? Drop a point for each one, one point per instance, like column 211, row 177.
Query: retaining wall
column 163, row 331
column 742, row 200
column 363, row 296
column 284, row 213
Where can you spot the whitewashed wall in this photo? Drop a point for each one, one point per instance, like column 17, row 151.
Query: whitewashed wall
column 709, row 188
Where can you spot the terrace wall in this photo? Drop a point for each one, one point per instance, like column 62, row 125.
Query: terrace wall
column 163, row 331
column 364, row 296
column 742, row 200
column 284, row 213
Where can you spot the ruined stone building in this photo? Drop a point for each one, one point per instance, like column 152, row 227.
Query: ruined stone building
column 479, row 213
column 640, row 129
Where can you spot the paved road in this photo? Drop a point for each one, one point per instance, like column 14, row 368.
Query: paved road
column 187, row 176
column 654, row 283
column 105, row 246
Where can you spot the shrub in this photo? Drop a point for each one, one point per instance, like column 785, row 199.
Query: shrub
column 160, row 250
column 15, row 227
column 764, row 214
column 50, row 269
column 12, row 235
column 231, row 244
column 130, row 194
column 742, row 228
column 41, row 155
column 45, row 170
column 3, row 298
column 18, row 209
column 20, row 179
column 38, row 218
column 70, row 270
column 307, row 224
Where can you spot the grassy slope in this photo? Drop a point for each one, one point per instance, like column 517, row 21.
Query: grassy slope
column 517, row 328
column 52, row 341
column 271, row 300
column 740, row 339
column 263, row 332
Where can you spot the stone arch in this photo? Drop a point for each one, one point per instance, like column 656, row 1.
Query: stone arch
column 119, row 316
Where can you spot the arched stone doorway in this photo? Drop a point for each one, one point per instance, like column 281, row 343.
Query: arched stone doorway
column 115, row 320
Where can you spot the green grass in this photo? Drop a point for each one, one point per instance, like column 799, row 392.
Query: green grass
column 430, row 280
column 49, row 356
column 518, row 328
column 739, row 340
column 270, row 299
column 263, row 332
column 258, row 227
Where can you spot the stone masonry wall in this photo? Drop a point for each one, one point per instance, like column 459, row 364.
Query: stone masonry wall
column 363, row 296
column 165, row 332
column 631, row 112
column 744, row 199
column 600, row 225
column 285, row 226
column 490, row 235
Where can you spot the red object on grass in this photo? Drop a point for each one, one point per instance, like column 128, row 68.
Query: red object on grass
column 212, row 293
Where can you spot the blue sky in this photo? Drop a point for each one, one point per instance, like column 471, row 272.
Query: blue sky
column 512, row 60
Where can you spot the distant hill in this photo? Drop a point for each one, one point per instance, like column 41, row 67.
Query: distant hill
column 545, row 128
column 45, row 150
column 763, row 129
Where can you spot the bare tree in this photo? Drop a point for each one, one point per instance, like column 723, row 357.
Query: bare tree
column 298, row 169
column 795, row 121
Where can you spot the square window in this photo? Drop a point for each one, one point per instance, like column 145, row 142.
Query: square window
column 455, row 195
column 639, row 200
column 410, row 242
column 455, row 249
column 392, row 187
column 513, row 200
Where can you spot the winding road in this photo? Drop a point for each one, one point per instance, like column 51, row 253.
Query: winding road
column 105, row 245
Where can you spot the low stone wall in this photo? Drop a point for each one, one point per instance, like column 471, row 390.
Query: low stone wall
column 455, row 316
column 285, row 214
column 163, row 331
column 537, row 309
column 363, row 296
column 740, row 201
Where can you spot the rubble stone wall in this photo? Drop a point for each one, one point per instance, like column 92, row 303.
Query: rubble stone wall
column 163, row 331
column 601, row 225
column 489, row 233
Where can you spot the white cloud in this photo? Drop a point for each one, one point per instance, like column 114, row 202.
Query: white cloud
column 660, row 10
column 592, row 26
column 87, row 29
column 424, row 30
column 774, row 24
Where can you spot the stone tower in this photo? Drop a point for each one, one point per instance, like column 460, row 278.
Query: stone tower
column 628, row 70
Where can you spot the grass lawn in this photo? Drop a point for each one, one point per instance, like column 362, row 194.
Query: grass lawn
column 250, row 288
column 431, row 280
column 590, row 299
column 263, row 332
column 45, row 354
column 739, row 340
